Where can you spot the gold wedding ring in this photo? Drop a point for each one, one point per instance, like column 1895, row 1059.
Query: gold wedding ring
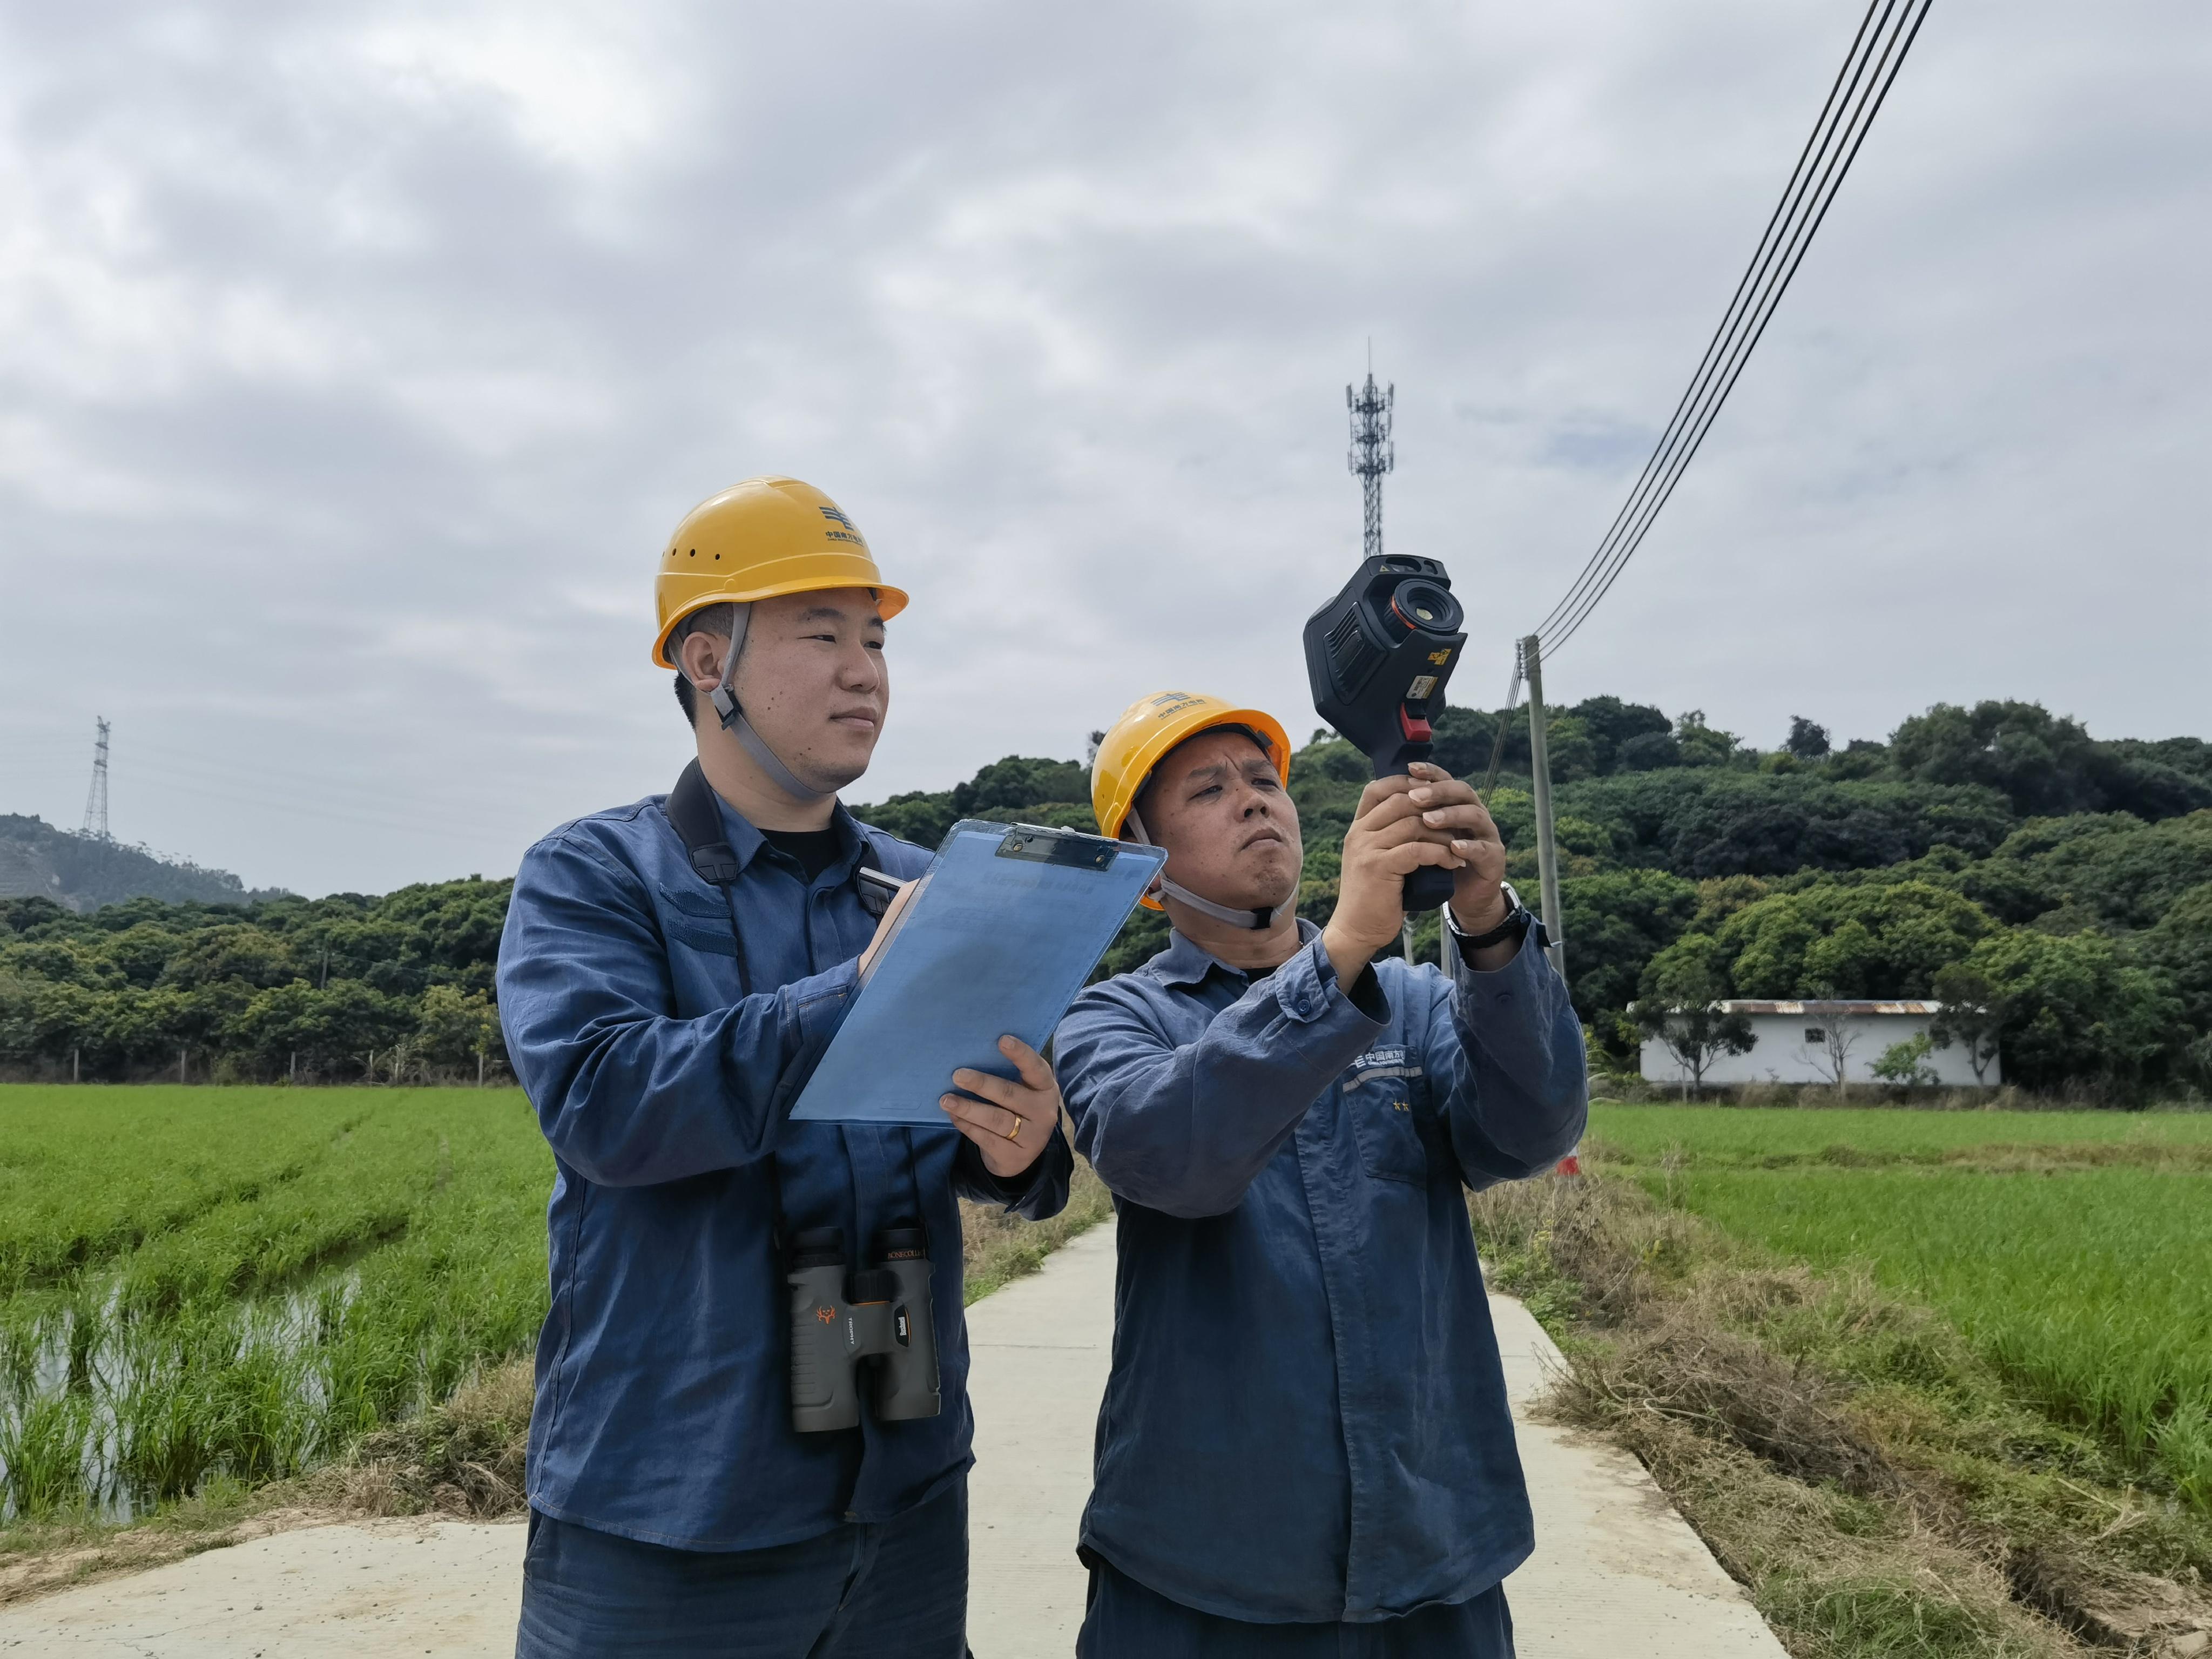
column 1015, row 1133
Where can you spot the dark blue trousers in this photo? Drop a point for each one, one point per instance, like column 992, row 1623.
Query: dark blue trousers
column 896, row 1591
column 1126, row 1620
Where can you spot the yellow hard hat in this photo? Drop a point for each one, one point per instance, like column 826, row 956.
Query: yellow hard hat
column 1148, row 728
column 754, row 541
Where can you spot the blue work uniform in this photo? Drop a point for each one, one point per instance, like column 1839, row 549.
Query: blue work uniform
column 1306, row 1423
column 662, row 1072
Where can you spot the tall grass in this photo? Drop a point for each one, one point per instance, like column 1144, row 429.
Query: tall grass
column 2078, row 1260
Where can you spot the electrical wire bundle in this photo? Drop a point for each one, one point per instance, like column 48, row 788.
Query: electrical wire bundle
column 1878, row 50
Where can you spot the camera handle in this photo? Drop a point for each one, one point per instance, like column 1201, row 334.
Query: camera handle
column 1430, row 886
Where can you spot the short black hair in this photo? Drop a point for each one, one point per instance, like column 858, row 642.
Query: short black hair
column 717, row 619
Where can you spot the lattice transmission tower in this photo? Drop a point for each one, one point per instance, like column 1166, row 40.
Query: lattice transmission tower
column 1372, row 453
column 95, row 804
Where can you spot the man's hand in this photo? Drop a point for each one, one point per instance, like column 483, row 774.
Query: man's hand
column 1478, row 902
column 1015, row 1116
column 1388, row 841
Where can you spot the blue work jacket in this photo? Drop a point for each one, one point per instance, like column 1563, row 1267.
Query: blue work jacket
column 1306, row 1419
column 662, row 1084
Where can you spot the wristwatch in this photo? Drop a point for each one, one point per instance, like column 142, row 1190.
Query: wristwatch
column 1519, row 919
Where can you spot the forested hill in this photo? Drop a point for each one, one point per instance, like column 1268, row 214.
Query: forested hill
column 2063, row 882
column 1996, row 855
column 79, row 873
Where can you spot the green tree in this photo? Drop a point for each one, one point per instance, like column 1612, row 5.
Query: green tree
column 333, row 1029
column 1867, row 940
column 1648, row 752
column 2180, row 949
column 1680, row 1004
column 1702, row 744
column 2075, row 1012
column 1904, row 1065
column 238, row 951
column 1807, row 741
column 1973, row 1015
column 2130, row 872
column 1611, row 724
column 455, row 1028
column 1618, row 921
column 922, row 816
column 1021, row 780
column 2047, row 764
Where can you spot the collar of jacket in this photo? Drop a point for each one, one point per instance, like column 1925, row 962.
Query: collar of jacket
column 1186, row 963
column 746, row 842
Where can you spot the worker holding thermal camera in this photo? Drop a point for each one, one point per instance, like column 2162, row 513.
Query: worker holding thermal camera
column 701, row 1480
column 1304, row 1448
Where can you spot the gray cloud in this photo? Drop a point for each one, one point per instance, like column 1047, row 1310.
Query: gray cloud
column 353, row 361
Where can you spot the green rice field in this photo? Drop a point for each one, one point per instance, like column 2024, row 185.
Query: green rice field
column 237, row 1282
column 2075, row 1249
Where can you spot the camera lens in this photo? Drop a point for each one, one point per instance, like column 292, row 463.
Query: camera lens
column 1422, row 607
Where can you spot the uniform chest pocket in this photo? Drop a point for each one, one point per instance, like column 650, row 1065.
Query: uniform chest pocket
column 698, row 923
column 1387, row 1104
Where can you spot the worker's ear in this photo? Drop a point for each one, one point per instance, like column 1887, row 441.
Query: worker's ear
column 700, row 656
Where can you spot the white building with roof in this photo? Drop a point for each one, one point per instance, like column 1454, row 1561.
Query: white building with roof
column 1805, row 1042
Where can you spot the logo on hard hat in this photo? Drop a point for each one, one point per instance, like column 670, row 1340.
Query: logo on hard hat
column 851, row 532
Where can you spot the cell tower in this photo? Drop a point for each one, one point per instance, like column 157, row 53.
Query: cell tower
column 95, row 804
column 1372, row 453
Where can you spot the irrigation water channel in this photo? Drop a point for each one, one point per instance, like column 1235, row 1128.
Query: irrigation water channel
column 97, row 1406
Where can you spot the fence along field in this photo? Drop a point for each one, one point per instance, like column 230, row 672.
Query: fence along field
column 2073, row 1249
column 238, row 1282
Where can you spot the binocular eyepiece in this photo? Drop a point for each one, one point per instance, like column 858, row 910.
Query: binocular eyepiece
column 841, row 1318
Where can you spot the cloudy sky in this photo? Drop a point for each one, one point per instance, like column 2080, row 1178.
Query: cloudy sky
column 355, row 359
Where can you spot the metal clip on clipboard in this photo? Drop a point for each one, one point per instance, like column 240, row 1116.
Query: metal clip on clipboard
column 1000, row 935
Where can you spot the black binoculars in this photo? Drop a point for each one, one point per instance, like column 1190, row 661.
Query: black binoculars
column 839, row 1318
column 1379, row 655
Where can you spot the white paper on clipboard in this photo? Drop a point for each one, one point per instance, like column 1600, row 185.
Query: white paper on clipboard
column 1000, row 936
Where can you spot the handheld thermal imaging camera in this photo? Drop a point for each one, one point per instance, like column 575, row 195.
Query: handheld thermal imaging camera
column 1379, row 655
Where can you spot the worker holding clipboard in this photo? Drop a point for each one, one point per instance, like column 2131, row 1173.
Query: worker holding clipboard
column 701, row 1478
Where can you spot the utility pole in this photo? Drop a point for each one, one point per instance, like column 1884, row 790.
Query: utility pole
column 1548, row 857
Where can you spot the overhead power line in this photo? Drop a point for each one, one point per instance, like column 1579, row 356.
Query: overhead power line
column 1505, row 727
column 1886, row 33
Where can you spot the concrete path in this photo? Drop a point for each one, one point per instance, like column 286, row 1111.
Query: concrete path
column 386, row 1588
column 1616, row 1570
column 1042, row 1346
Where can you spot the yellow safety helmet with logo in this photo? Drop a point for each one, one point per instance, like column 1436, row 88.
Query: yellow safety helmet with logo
column 754, row 541
column 1138, row 741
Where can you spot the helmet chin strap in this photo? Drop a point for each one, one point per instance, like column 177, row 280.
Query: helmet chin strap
column 724, row 700
column 1257, row 920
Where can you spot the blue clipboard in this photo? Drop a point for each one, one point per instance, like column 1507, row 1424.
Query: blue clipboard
column 1006, row 927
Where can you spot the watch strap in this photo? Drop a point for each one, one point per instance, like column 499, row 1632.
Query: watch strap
column 1518, row 920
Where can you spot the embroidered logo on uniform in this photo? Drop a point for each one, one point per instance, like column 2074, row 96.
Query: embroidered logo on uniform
column 1380, row 1063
